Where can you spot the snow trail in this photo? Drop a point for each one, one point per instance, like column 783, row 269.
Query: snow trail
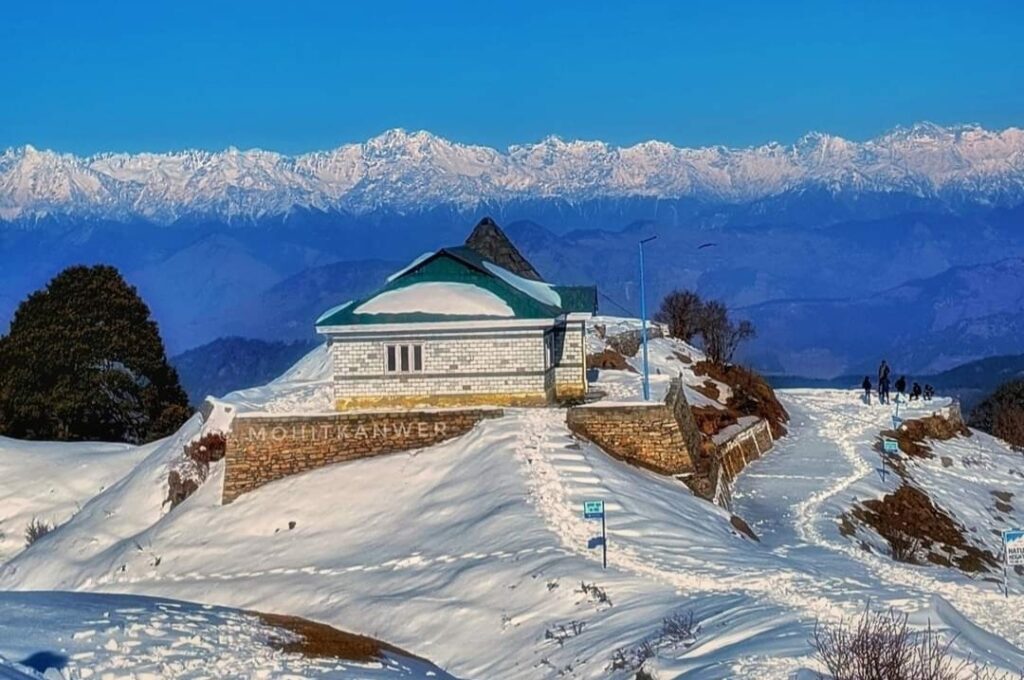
column 833, row 429
column 802, row 566
column 543, row 443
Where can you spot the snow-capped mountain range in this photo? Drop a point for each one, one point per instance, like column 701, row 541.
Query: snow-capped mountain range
column 407, row 171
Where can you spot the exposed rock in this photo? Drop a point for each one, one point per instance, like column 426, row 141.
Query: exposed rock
column 488, row 240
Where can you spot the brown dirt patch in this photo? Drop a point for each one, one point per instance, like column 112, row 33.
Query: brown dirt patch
column 912, row 434
column 318, row 640
column 1003, row 499
column 916, row 528
column 751, row 394
column 207, row 449
column 609, row 359
column 740, row 525
column 685, row 358
column 709, row 389
column 711, row 420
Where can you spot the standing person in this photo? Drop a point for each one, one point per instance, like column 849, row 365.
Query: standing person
column 915, row 392
column 883, row 382
column 929, row 392
column 867, row 390
column 901, row 385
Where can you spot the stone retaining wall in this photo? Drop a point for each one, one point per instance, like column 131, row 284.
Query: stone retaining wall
column 733, row 455
column 664, row 437
column 264, row 447
column 660, row 436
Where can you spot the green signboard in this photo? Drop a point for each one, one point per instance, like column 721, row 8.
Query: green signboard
column 593, row 509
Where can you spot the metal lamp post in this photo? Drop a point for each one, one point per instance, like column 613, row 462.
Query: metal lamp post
column 643, row 320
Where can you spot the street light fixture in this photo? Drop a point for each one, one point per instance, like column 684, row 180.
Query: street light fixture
column 643, row 319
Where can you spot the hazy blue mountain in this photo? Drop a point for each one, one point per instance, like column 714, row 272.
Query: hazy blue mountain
column 925, row 326
column 229, row 364
column 288, row 309
column 970, row 382
column 840, row 251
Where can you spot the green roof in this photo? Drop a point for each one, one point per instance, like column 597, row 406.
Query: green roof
column 511, row 295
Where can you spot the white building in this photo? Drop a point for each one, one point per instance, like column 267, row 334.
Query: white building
column 457, row 328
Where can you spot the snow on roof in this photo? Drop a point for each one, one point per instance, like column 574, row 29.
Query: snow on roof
column 419, row 260
column 538, row 290
column 333, row 310
column 437, row 297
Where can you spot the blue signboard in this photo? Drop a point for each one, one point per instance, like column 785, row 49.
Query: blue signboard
column 1013, row 554
column 1014, row 544
column 896, row 422
column 593, row 509
column 890, row 446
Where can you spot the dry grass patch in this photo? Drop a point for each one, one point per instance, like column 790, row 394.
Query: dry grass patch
column 609, row 360
column 920, row 532
column 751, row 394
column 318, row 640
column 912, row 434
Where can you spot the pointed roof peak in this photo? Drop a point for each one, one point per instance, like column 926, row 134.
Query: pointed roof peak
column 489, row 241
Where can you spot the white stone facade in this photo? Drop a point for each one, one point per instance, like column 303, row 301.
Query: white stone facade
column 524, row 363
column 570, row 364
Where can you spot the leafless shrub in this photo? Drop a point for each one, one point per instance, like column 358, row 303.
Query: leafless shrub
column 594, row 593
column 564, row 631
column 679, row 628
column 632, row 658
column 882, row 646
column 721, row 336
column 905, row 548
column 681, row 310
column 36, row 529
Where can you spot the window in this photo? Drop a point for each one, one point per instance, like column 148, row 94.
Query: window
column 403, row 359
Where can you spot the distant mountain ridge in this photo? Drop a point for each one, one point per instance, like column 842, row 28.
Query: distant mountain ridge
column 411, row 171
column 925, row 325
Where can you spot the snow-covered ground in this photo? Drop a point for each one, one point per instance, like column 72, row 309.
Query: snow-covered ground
column 49, row 482
column 667, row 358
column 472, row 553
column 84, row 635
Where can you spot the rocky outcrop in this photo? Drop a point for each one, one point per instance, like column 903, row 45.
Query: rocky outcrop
column 489, row 241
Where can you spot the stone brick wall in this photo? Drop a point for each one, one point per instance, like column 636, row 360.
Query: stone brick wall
column 466, row 367
column 662, row 436
column 264, row 447
column 731, row 457
column 570, row 367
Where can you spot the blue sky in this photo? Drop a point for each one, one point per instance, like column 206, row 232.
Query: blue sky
column 296, row 76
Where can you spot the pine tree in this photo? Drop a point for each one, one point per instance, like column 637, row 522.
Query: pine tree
column 84, row 361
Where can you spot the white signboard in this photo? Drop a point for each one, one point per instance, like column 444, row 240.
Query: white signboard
column 1014, row 542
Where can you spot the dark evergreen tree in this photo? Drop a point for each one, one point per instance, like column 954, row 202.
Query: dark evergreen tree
column 1002, row 413
column 84, row 361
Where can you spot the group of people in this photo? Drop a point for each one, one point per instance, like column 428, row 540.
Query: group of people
column 916, row 391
